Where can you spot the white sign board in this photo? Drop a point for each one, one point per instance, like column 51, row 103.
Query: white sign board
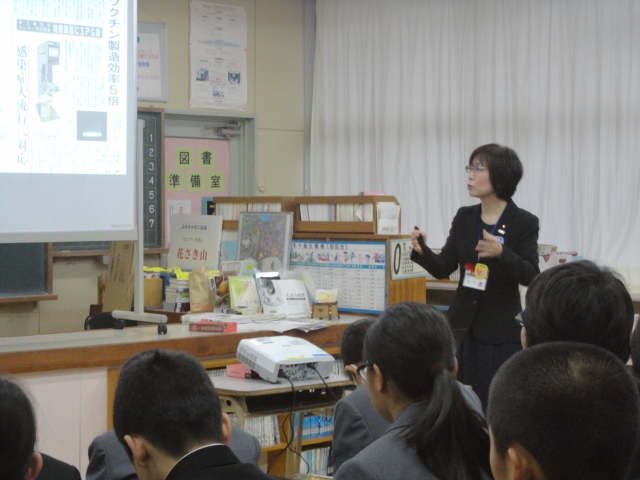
column 401, row 264
column 195, row 241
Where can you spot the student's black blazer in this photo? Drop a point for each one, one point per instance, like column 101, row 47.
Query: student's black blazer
column 490, row 313
column 215, row 462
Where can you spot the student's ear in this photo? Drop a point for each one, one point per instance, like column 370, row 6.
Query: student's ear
column 139, row 451
column 378, row 381
column 523, row 337
column 522, row 465
column 226, row 429
column 353, row 370
column 34, row 467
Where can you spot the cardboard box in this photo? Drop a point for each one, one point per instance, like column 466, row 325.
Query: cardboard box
column 153, row 292
column 118, row 290
column 240, row 370
column 546, row 249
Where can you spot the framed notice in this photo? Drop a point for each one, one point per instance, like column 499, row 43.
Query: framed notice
column 356, row 269
column 193, row 168
column 151, row 62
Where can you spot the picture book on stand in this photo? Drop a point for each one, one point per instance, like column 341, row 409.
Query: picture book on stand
column 244, row 293
column 195, row 241
column 266, row 239
column 286, row 298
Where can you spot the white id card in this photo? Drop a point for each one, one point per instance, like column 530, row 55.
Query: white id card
column 471, row 281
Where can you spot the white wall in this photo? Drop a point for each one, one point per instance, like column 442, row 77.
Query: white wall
column 71, row 410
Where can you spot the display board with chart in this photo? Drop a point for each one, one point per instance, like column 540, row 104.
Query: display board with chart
column 356, row 269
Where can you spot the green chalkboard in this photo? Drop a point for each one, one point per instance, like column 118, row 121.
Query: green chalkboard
column 24, row 269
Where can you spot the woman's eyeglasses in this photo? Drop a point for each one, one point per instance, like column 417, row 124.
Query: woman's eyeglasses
column 478, row 167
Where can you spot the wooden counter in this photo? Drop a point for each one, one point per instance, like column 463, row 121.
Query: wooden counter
column 111, row 348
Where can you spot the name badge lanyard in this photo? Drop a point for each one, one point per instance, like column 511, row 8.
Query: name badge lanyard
column 493, row 230
column 481, row 270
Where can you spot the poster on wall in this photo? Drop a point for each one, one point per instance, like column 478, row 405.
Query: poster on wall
column 193, row 168
column 151, row 62
column 218, row 48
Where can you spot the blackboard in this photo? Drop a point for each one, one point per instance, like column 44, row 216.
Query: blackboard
column 24, row 269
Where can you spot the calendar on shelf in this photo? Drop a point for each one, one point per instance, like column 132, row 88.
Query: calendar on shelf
column 356, row 269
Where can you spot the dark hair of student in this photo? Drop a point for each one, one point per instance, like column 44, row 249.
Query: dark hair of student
column 635, row 350
column 505, row 168
column 17, row 431
column 168, row 398
column 412, row 345
column 579, row 302
column 353, row 340
column 572, row 406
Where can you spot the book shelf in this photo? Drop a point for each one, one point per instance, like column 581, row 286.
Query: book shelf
column 334, row 205
column 231, row 207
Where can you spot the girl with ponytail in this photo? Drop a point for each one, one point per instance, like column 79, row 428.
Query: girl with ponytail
column 438, row 429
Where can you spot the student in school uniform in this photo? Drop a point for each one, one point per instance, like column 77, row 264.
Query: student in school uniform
column 356, row 424
column 108, row 460
column 563, row 411
column 167, row 415
column 434, row 433
column 581, row 302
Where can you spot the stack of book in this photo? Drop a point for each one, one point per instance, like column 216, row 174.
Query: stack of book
column 315, row 426
column 341, row 212
column 317, row 212
column 232, row 211
column 265, row 429
column 317, row 459
column 176, row 296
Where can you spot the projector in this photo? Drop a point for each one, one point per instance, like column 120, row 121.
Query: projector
column 281, row 357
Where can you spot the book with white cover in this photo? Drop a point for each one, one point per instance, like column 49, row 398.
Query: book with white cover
column 287, row 298
column 195, row 241
column 388, row 218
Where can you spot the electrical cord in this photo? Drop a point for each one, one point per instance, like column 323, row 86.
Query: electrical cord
column 312, row 367
column 289, row 417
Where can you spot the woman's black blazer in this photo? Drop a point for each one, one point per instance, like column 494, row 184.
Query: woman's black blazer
column 490, row 313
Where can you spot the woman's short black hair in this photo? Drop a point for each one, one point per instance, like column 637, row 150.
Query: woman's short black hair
column 505, row 168
column 17, row 431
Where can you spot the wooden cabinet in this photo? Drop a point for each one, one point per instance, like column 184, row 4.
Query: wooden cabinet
column 336, row 208
column 231, row 207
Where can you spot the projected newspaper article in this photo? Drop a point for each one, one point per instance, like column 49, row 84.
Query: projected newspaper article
column 63, row 94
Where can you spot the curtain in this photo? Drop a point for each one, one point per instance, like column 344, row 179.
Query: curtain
column 404, row 90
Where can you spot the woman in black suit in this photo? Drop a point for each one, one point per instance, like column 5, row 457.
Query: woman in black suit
column 495, row 244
